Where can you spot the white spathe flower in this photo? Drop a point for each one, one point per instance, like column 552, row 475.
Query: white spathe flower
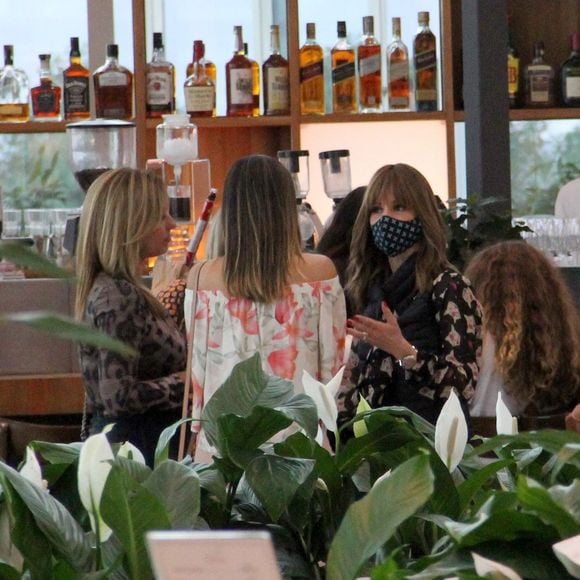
column 359, row 427
column 129, row 451
column 94, row 467
column 505, row 424
column 485, row 567
column 347, row 347
column 568, row 552
column 32, row 471
column 324, row 396
column 451, row 432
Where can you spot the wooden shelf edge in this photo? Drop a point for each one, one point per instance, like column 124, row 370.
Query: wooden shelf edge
column 232, row 122
column 554, row 114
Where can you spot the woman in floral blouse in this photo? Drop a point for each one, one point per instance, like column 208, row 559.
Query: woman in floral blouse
column 419, row 327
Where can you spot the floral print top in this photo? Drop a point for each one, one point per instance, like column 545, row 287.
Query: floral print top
column 304, row 330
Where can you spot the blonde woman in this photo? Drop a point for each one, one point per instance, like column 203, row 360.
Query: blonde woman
column 263, row 295
column 125, row 220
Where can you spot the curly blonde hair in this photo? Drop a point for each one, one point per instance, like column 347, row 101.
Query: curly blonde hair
column 530, row 313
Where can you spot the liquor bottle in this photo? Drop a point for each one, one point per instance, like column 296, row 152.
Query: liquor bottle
column 46, row 96
column 14, row 93
column 425, row 59
column 570, row 75
column 240, row 102
column 113, row 88
column 398, row 77
column 370, row 84
column 198, row 88
column 539, row 77
column 160, row 82
column 513, row 71
column 275, row 75
column 311, row 74
column 343, row 73
column 210, row 70
column 75, row 86
column 255, row 83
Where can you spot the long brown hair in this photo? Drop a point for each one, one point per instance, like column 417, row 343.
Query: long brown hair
column 529, row 311
column 367, row 263
column 260, row 228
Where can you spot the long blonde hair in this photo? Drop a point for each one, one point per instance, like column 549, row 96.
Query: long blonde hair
column 366, row 262
column 260, row 228
column 121, row 208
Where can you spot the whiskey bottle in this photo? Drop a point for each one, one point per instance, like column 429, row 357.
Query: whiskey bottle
column 113, row 85
column 539, row 77
column 342, row 60
column 199, row 89
column 513, row 72
column 370, row 84
column 210, row 70
column 255, row 83
column 398, row 77
column 75, row 86
column 160, row 82
column 275, row 75
column 14, row 90
column 311, row 74
column 425, row 60
column 570, row 75
column 240, row 101
column 46, row 96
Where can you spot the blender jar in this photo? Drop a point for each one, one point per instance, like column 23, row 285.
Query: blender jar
column 335, row 166
column 296, row 161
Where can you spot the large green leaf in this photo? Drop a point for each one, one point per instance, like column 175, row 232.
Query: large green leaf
column 59, row 527
column 275, row 480
column 162, row 447
column 63, row 453
column 177, row 488
column 68, row 329
column 371, row 521
column 468, row 488
column 27, row 258
column 8, row 572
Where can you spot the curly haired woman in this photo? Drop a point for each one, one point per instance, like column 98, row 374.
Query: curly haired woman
column 531, row 346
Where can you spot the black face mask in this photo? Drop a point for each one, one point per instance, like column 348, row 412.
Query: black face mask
column 393, row 237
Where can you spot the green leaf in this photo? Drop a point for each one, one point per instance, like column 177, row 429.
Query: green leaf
column 68, row 329
column 162, row 447
column 177, row 487
column 371, row 521
column 275, row 480
column 28, row 258
column 468, row 488
column 8, row 572
column 568, row 497
column 58, row 453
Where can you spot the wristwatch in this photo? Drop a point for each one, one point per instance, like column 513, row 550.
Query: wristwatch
column 409, row 360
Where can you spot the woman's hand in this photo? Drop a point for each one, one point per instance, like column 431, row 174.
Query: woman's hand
column 385, row 335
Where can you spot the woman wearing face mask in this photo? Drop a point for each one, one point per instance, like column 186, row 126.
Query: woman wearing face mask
column 419, row 325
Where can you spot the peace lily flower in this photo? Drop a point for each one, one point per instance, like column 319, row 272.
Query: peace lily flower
column 31, row 470
column 94, row 467
column 324, row 396
column 359, row 427
column 451, row 432
column 486, row 567
column 129, row 451
column 505, row 424
column 568, row 552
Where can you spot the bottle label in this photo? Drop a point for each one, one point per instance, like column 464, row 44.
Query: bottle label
column 343, row 72
column 113, row 79
column 241, row 86
column 572, row 87
column 45, row 102
column 369, row 65
column 398, row 71
column 316, row 69
column 278, row 89
column 539, row 85
column 425, row 60
column 159, row 88
column 513, row 70
column 199, row 99
column 76, row 95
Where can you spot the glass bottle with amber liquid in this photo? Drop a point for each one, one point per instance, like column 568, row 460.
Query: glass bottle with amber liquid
column 199, row 89
column 539, row 77
column 570, row 75
column 47, row 95
column 75, row 86
column 239, row 97
column 208, row 65
column 311, row 74
column 160, row 82
column 370, row 84
column 513, row 72
column 398, row 76
column 275, row 76
column 425, row 60
column 342, row 59
column 14, row 91
column 113, row 85
column 255, row 82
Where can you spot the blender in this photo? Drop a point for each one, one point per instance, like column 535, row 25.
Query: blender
column 335, row 167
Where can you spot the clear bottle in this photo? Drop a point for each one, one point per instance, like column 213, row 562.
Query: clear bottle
column 513, row 71
column 342, row 59
column 275, row 74
column 255, row 83
column 570, row 75
column 398, row 76
column 75, row 86
column 425, row 60
column 160, row 83
column 240, row 100
column 113, row 85
column 539, row 77
column 198, row 88
column 370, row 86
column 210, row 70
column 311, row 74
column 47, row 95
column 14, row 90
